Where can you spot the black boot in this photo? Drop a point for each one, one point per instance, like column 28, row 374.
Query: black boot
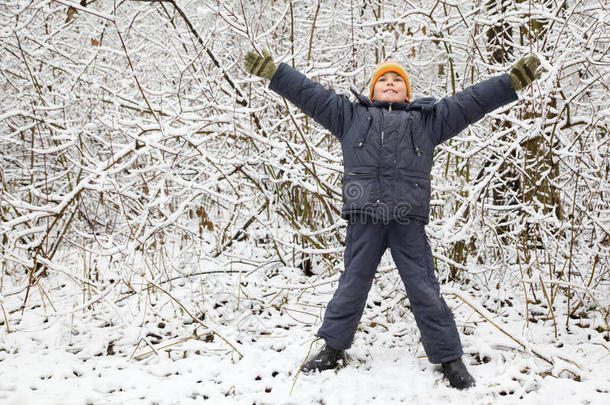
column 326, row 359
column 456, row 373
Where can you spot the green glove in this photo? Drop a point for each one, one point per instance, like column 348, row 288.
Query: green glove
column 524, row 72
column 262, row 66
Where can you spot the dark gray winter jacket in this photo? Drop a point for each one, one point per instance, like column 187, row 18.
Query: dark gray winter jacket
column 388, row 147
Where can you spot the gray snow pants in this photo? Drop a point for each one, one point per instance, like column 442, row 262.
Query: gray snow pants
column 365, row 243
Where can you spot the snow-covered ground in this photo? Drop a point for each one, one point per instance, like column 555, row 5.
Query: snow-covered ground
column 104, row 354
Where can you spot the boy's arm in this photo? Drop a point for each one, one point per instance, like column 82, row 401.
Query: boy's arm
column 453, row 114
column 326, row 107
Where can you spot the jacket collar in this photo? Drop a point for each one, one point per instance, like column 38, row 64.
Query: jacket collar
column 402, row 105
column 420, row 103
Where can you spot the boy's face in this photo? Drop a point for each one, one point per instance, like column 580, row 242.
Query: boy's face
column 391, row 88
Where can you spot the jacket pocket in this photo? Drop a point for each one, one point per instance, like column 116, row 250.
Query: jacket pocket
column 361, row 172
column 414, row 192
column 414, row 133
column 358, row 173
column 359, row 185
column 361, row 139
column 416, row 148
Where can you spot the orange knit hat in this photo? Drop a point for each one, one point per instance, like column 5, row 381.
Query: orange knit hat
column 390, row 67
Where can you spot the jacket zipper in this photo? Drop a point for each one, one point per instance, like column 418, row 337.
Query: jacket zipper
column 382, row 131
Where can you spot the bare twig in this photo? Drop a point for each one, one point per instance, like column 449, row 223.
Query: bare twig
column 194, row 318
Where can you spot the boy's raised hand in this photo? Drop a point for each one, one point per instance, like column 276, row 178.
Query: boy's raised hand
column 524, row 72
column 262, row 66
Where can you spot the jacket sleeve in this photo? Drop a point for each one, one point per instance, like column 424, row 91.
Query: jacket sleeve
column 452, row 114
column 326, row 107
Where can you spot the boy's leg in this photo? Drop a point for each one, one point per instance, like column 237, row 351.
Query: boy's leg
column 365, row 243
column 413, row 257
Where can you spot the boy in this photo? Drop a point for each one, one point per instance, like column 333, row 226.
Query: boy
column 388, row 143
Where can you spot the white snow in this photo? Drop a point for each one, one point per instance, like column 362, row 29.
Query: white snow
column 90, row 357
